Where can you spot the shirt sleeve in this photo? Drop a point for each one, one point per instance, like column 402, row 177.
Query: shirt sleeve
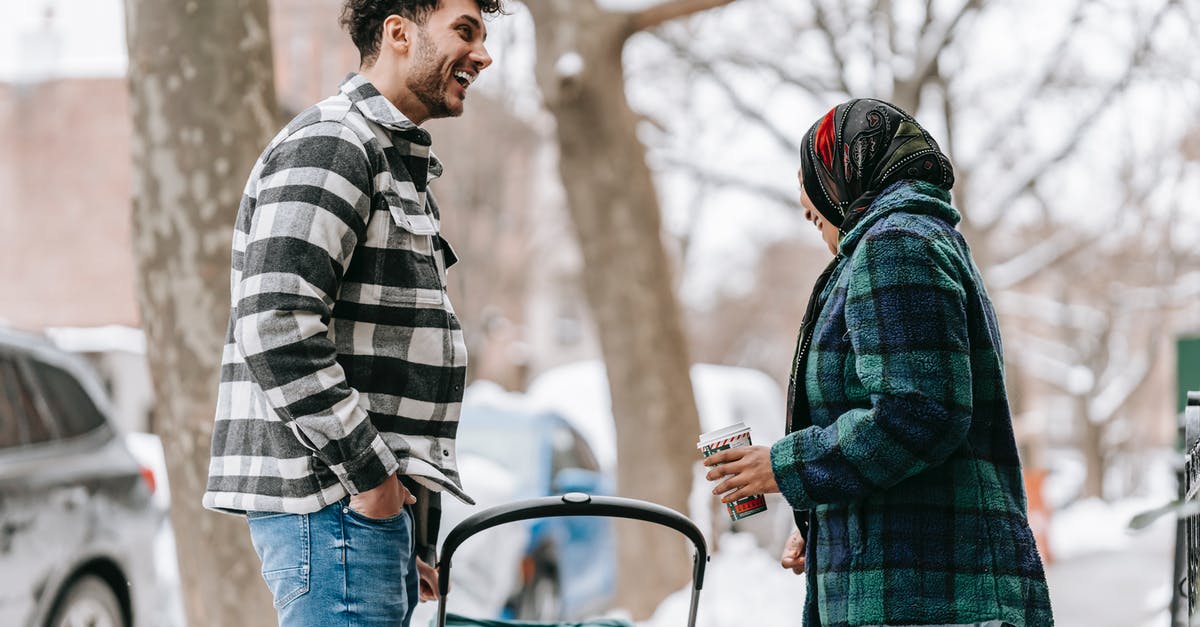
column 906, row 319
column 313, row 198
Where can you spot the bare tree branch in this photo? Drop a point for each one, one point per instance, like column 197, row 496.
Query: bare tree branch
column 1122, row 379
column 813, row 79
column 831, row 39
column 734, row 96
column 1173, row 294
column 787, row 199
column 1035, row 260
column 907, row 90
column 812, row 84
column 657, row 15
column 1052, row 312
column 1058, row 59
column 927, row 23
column 694, row 220
column 1031, row 175
column 1055, row 370
column 884, row 27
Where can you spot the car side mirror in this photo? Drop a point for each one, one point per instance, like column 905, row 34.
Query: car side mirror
column 578, row 480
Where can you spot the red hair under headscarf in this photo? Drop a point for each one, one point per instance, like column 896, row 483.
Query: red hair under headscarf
column 824, row 140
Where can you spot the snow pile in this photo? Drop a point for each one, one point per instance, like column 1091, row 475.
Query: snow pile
column 1094, row 526
column 1091, row 526
column 743, row 585
column 724, row 395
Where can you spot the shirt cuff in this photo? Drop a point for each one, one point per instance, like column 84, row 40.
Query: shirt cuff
column 369, row 469
column 785, row 464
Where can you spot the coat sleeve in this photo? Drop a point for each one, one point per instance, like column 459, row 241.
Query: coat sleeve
column 313, row 197
column 906, row 319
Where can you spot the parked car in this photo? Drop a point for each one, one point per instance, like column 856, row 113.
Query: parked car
column 567, row 568
column 77, row 514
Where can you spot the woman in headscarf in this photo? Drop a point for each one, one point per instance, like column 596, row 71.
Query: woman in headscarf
column 900, row 460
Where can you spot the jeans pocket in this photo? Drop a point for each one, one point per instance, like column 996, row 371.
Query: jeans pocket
column 282, row 543
column 391, row 521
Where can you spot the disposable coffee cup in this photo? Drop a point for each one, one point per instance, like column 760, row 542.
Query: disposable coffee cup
column 733, row 436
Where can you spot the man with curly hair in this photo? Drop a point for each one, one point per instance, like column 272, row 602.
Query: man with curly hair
column 343, row 369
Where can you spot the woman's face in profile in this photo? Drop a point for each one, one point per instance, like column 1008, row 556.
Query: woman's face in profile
column 829, row 232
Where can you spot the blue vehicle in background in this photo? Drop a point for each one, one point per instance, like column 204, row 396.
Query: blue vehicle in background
column 568, row 567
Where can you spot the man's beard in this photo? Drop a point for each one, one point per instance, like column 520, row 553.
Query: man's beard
column 426, row 81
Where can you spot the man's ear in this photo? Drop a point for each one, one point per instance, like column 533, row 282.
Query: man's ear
column 397, row 34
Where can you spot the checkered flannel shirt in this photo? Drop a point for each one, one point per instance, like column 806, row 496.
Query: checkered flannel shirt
column 344, row 361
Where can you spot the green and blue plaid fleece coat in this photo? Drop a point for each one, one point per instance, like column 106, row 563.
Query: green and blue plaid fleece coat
column 907, row 458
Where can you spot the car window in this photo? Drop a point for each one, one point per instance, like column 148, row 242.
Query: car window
column 583, row 453
column 72, row 411
column 12, row 414
column 22, row 422
column 570, row 451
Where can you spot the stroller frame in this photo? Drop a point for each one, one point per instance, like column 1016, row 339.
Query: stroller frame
column 573, row 504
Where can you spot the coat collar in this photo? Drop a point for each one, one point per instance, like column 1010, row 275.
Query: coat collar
column 916, row 197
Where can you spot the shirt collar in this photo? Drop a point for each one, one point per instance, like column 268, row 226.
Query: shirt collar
column 367, row 99
column 378, row 109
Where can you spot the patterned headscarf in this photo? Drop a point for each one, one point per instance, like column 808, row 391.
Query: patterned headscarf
column 858, row 149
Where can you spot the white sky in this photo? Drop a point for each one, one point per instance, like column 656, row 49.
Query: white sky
column 733, row 225
column 89, row 36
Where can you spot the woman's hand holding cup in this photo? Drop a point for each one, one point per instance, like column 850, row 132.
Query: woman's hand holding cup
column 746, row 471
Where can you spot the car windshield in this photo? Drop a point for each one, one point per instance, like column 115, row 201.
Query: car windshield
column 511, row 445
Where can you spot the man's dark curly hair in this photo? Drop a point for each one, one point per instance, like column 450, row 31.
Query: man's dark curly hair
column 363, row 19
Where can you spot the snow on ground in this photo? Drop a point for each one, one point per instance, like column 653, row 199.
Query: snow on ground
column 743, row 585
column 1102, row 574
column 1090, row 526
column 1093, row 526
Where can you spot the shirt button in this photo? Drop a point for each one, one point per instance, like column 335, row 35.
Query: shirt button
column 445, row 452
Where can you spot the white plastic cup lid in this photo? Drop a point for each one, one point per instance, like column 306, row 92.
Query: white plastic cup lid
column 722, row 433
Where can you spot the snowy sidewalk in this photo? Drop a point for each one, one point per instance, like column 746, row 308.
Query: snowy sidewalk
column 1104, row 576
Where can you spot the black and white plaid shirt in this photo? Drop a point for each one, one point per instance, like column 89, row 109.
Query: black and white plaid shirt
column 344, row 361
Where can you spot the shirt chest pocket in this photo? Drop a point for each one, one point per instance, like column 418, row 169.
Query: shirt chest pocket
column 406, row 263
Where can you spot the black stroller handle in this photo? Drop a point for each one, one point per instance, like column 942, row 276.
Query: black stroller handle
column 572, row 504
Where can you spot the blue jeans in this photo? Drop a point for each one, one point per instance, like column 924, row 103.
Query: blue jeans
column 336, row 567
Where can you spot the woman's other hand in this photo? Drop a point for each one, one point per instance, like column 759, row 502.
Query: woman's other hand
column 427, row 577
column 793, row 553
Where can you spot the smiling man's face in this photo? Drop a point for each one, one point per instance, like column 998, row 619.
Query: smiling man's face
column 448, row 56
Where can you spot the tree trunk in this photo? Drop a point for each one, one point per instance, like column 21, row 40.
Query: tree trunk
column 627, row 279
column 203, row 105
column 1091, row 438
